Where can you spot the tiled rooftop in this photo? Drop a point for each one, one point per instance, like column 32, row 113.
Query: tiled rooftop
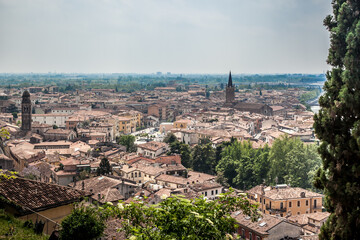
column 37, row 195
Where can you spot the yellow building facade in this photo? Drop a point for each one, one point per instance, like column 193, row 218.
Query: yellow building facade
column 283, row 200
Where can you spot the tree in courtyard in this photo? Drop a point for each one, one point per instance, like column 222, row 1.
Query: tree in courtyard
column 104, row 167
column 128, row 141
column 337, row 124
column 183, row 149
column 170, row 138
column 203, row 158
column 84, row 223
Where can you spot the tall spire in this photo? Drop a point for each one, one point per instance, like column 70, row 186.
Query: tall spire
column 230, row 80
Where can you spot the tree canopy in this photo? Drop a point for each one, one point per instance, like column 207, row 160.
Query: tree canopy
column 337, row 124
column 128, row 141
column 288, row 161
column 104, row 167
column 84, row 223
column 179, row 218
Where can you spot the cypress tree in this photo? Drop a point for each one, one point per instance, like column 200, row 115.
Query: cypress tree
column 337, row 124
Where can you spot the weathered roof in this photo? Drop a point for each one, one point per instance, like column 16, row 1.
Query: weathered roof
column 172, row 179
column 198, row 177
column 279, row 193
column 262, row 226
column 152, row 146
column 198, row 187
column 176, row 159
column 37, row 195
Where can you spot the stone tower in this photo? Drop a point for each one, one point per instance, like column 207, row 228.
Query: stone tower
column 230, row 90
column 26, row 112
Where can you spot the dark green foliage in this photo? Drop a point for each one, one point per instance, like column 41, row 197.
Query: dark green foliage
column 39, row 227
column 242, row 165
column 127, row 141
column 84, row 223
column 104, row 167
column 203, row 158
column 170, row 138
column 183, row 149
column 337, row 124
column 204, row 141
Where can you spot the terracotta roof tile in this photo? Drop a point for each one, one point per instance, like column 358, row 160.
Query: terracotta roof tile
column 37, row 195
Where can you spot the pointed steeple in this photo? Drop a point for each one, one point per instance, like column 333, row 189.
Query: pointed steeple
column 230, row 80
column 230, row 94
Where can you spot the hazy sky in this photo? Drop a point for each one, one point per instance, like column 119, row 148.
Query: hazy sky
column 179, row 36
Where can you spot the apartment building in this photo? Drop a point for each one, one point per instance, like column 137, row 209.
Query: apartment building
column 284, row 200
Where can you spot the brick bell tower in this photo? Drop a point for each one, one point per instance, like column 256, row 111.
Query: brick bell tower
column 230, row 91
column 26, row 112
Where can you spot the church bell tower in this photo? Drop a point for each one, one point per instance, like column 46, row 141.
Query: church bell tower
column 26, row 112
column 230, row 90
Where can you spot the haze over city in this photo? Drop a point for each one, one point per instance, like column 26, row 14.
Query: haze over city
column 261, row 36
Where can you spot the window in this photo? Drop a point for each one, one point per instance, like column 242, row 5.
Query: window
column 250, row 235
column 264, row 200
column 139, row 174
column 315, row 203
column 135, row 174
column 257, row 238
column 243, row 233
column 216, row 191
column 132, row 175
column 289, row 204
column 212, row 192
column 205, row 194
column 270, row 204
column 298, row 203
column 298, row 213
column 281, row 205
column 307, row 202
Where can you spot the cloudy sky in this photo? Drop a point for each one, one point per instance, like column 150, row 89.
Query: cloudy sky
column 179, row 36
